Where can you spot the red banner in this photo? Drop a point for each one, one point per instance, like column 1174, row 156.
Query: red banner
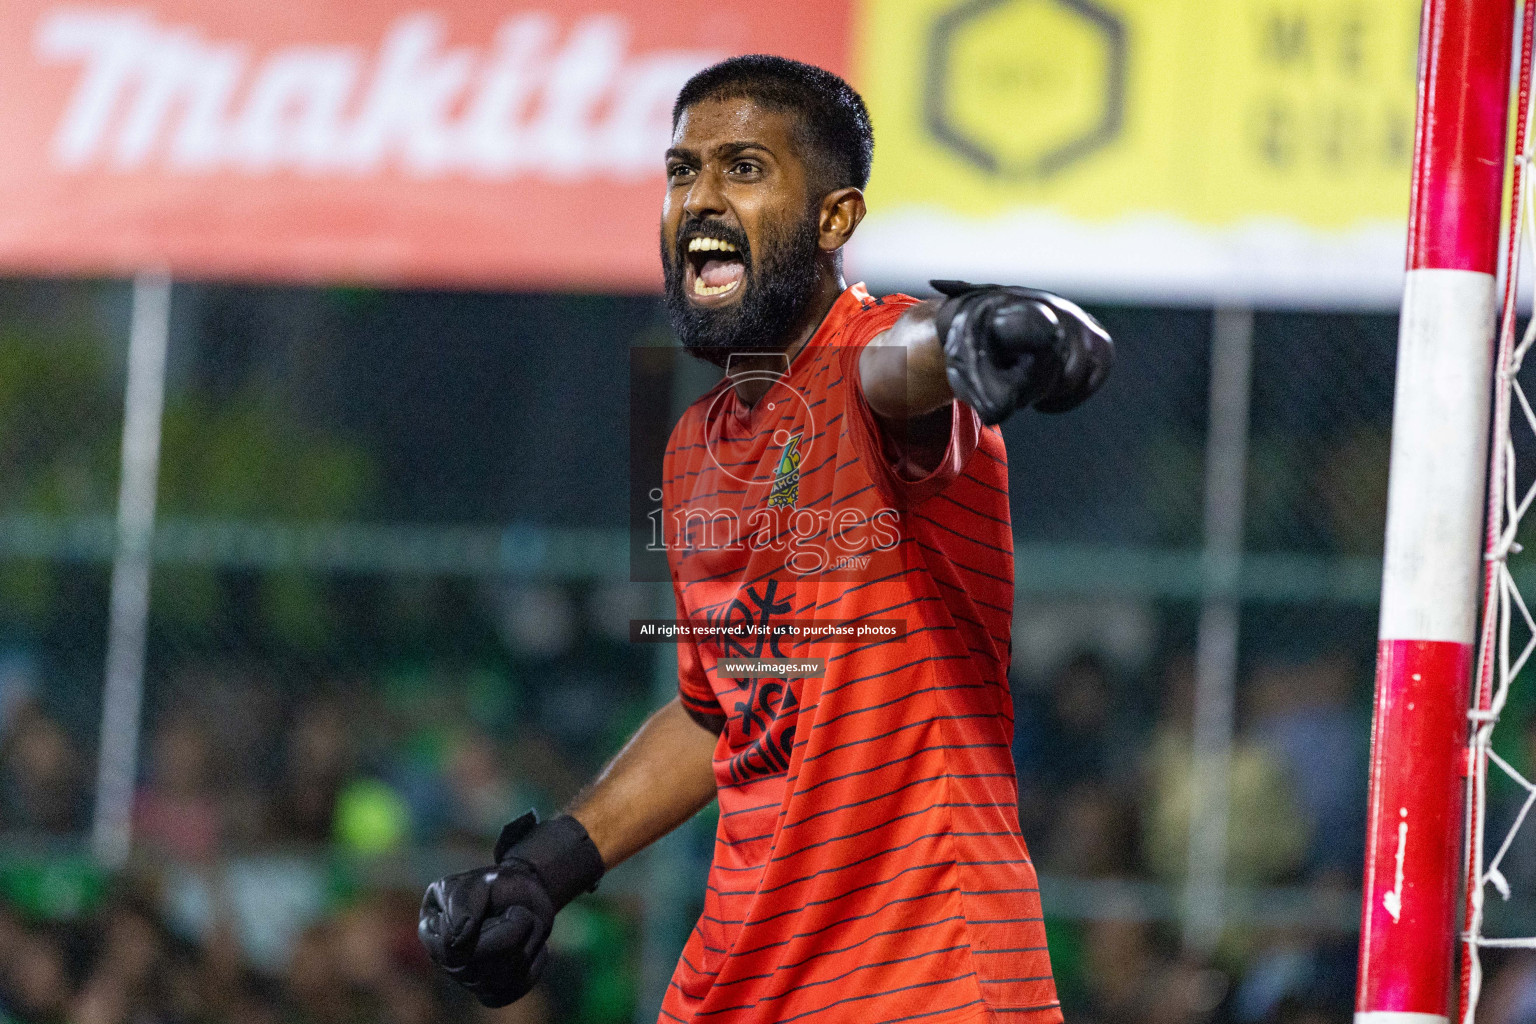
column 463, row 144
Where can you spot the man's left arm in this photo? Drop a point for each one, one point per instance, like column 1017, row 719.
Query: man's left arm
column 995, row 348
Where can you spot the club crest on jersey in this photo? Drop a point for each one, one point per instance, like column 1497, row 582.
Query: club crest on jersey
column 786, row 479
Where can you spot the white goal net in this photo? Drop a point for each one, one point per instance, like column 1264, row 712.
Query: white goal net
column 1507, row 640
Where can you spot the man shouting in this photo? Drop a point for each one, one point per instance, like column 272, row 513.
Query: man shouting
column 847, row 472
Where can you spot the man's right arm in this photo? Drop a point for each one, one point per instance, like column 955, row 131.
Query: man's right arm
column 487, row 927
column 664, row 775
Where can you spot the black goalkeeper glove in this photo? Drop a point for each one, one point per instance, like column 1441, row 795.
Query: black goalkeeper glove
column 1008, row 348
column 486, row 928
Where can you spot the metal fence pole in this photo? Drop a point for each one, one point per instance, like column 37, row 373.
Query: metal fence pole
column 129, row 614
column 1226, row 458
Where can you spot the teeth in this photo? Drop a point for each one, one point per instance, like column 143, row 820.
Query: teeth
column 700, row 288
column 710, row 244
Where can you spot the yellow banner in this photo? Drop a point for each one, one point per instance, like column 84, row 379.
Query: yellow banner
column 1211, row 112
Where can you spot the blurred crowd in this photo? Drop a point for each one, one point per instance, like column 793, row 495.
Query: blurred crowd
column 285, row 826
column 281, row 849
column 1105, row 793
column 284, row 832
column 122, row 963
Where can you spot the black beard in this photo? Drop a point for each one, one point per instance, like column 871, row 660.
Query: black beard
column 776, row 290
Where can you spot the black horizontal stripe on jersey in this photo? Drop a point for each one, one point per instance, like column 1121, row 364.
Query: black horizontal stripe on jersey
column 886, row 672
column 867, row 583
column 751, row 461
column 846, row 865
column 898, row 699
column 711, row 494
column 895, row 761
column 929, row 1013
column 842, row 949
column 879, row 611
column 776, row 568
column 705, row 945
column 1007, row 552
column 1015, row 949
column 781, row 857
column 744, row 783
column 743, row 839
column 851, row 494
column 961, row 565
column 811, row 503
column 959, row 617
column 674, row 986
column 868, row 551
column 825, row 427
column 972, row 598
column 745, row 867
column 747, row 810
column 804, row 985
column 892, row 792
column 803, row 907
column 822, row 534
column 816, row 501
column 890, row 640
column 876, row 995
column 978, row 481
column 770, row 571
column 807, row 472
column 975, row 512
column 885, row 735
column 876, row 912
column 691, row 966
column 1001, row 462
column 898, row 848
column 728, row 573
column 1006, row 861
column 679, row 477
column 747, row 439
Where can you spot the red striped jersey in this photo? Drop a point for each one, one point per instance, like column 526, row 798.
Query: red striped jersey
column 868, row 864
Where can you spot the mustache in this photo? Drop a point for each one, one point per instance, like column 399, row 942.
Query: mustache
column 774, row 296
column 711, row 227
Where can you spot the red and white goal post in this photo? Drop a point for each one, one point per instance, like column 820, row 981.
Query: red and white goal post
column 1452, row 495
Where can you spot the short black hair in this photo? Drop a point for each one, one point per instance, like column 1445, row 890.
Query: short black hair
column 833, row 121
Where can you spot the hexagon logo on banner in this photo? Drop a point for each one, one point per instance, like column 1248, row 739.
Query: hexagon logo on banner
column 1024, row 88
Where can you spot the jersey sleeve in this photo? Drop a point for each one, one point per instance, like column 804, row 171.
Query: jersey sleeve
column 693, row 688
column 894, row 472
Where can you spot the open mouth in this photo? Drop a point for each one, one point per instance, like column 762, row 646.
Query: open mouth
column 714, row 270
